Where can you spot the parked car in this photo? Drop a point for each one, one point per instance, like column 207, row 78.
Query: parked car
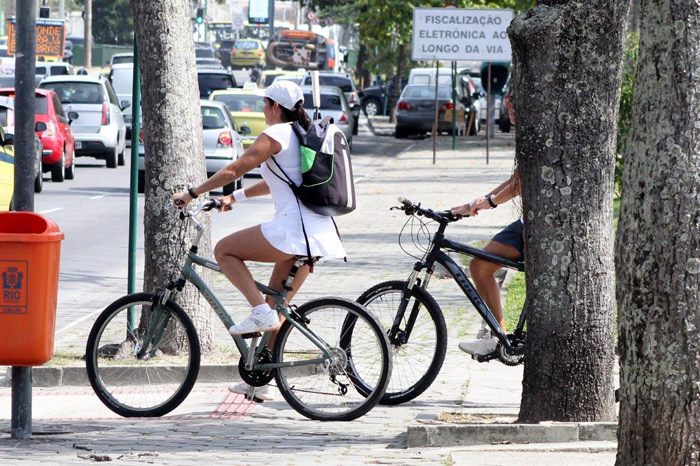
column 343, row 81
column 120, row 58
column 210, row 80
column 247, row 53
column 7, row 120
column 222, row 143
column 496, row 106
column 58, row 143
column 100, row 131
column 121, row 77
column 415, row 111
column 223, row 52
column 246, row 107
column 372, row 97
column 333, row 104
column 7, row 171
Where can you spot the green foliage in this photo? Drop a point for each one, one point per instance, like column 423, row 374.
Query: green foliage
column 515, row 299
column 112, row 22
column 626, row 94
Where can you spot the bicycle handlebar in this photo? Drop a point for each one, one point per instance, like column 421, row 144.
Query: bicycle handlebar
column 204, row 206
column 443, row 217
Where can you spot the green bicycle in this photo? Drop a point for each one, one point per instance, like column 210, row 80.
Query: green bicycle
column 143, row 353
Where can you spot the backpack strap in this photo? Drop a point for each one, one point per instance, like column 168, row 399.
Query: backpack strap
column 345, row 259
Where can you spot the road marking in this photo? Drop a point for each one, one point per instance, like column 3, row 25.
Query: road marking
column 97, row 197
column 48, row 211
column 76, row 322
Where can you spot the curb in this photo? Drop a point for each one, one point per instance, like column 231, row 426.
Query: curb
column 449, row 435
column 374, row 131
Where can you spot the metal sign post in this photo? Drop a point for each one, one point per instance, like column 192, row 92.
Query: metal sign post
column 25, row 70
column 435, row 122
column 488, row 114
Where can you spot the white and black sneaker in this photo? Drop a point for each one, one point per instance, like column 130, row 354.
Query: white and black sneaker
column 479, row 347
column 256, row 322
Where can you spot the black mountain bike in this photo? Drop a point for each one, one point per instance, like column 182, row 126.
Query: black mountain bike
column 414, row 321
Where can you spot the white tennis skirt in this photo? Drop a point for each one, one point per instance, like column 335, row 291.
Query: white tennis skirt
column 285, row 234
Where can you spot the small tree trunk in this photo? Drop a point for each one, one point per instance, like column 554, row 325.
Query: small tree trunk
column 567, row 59
column 658, row 245
column 173, row 141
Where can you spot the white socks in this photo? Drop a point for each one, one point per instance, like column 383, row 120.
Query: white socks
column 263, row 309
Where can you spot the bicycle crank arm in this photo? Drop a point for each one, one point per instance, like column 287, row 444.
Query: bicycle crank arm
column 486, row 357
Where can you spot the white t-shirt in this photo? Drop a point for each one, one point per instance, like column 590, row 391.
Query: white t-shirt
column 284, row 232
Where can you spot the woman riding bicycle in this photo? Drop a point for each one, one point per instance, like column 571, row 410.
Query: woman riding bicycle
column 280, row 240
column 508, row 243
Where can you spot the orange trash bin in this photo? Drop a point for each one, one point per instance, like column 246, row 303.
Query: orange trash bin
column 30, row 251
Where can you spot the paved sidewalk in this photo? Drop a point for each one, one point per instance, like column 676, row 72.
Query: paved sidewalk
column 213, row 426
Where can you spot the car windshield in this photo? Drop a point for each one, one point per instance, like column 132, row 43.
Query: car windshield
column 246, row 45
column 214, row 81
column 76, row 92
column 336, row 81
column 59, row 70
column 122, row 80
column 242, row 102
column 122, row 59
column 204, row 53
column 212, row 118
column 426, row 92
column 328, row 102
column 40, row 70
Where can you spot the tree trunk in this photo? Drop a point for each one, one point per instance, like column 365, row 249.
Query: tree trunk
column 172, row 124
column 658, row 245
column 567, row 59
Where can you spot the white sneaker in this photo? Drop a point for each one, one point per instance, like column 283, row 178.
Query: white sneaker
column 263, row 393
column 256, row 322
column 479, row 347
column 484, row 333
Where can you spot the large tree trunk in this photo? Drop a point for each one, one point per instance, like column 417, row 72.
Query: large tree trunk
column 658, row 245
column 172, row 124
column 567, row 59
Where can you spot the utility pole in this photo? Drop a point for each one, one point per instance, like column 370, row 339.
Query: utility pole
column 272, row 18
column 88, row 33
column 25, row 70
column 62, row 9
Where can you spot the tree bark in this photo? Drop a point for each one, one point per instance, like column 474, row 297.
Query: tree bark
column 172, row 124
column 658, row 245
column 567, row 59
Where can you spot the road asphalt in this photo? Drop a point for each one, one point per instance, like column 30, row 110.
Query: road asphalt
column 71, row 426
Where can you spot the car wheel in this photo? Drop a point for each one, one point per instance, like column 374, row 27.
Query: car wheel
column 120, row 157
column 401, row 133
column 141, row 182
column 39, row 182
column 70, row 171
column 371, row 107
column 504, row 124
column 58, row 169
column 112, row 159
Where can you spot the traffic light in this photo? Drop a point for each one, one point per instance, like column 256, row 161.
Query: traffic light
column 200, row 15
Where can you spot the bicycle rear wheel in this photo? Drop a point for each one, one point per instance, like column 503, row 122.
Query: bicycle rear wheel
column 418, row 360
column 327, row 391
column 156, row 383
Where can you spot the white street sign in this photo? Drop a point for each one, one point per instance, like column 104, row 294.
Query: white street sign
column 461, row 34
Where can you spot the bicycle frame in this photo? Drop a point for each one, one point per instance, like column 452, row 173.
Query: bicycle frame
column 436, row 254
column 249, row 354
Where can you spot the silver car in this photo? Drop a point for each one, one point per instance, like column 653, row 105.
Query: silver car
column 100, row 131
column 121, row 77
column 333, row 104
column 222, row 143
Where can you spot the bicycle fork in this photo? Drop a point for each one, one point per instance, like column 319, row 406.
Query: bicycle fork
column 397, row 336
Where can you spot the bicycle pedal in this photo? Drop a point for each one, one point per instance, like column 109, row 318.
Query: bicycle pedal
column 251, row 335
column 254, row 398
column 485, row 357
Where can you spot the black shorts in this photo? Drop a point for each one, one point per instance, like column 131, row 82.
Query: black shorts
column 512, row 235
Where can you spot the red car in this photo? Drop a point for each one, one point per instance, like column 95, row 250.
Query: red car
column 57, row 140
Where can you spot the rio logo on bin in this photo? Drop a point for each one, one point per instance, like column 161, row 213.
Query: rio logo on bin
column 13, row 292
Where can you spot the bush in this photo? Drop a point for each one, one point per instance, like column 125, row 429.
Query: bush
column 626, row 95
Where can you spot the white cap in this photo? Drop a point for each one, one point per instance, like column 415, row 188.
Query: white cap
column 286, row 93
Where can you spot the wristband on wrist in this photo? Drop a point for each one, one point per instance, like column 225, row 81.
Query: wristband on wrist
column 491, row 203
column 239, row 195
column 191, row 192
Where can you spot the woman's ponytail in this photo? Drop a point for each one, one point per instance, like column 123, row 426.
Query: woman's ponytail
column 297, row 114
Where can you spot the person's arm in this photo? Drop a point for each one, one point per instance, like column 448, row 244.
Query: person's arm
column 261, row 150
column 500, row 194
column 258, row 189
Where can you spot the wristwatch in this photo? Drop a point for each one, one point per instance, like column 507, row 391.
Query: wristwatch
column 191, row 192
column 491, row 203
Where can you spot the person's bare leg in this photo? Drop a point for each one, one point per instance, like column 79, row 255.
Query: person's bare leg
column 482, row 273
column 248, row 244
column 277, row 279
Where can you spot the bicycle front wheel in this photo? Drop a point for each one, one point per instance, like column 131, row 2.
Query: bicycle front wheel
column 326, row 391
column 142, row 386
column 418, row 355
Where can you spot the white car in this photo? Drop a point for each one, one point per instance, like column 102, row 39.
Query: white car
column 122, row 79
column 222, row 143
column 333, row 104
column 100, row 131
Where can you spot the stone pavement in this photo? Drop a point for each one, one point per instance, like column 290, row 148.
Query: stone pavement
column 71, row 426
